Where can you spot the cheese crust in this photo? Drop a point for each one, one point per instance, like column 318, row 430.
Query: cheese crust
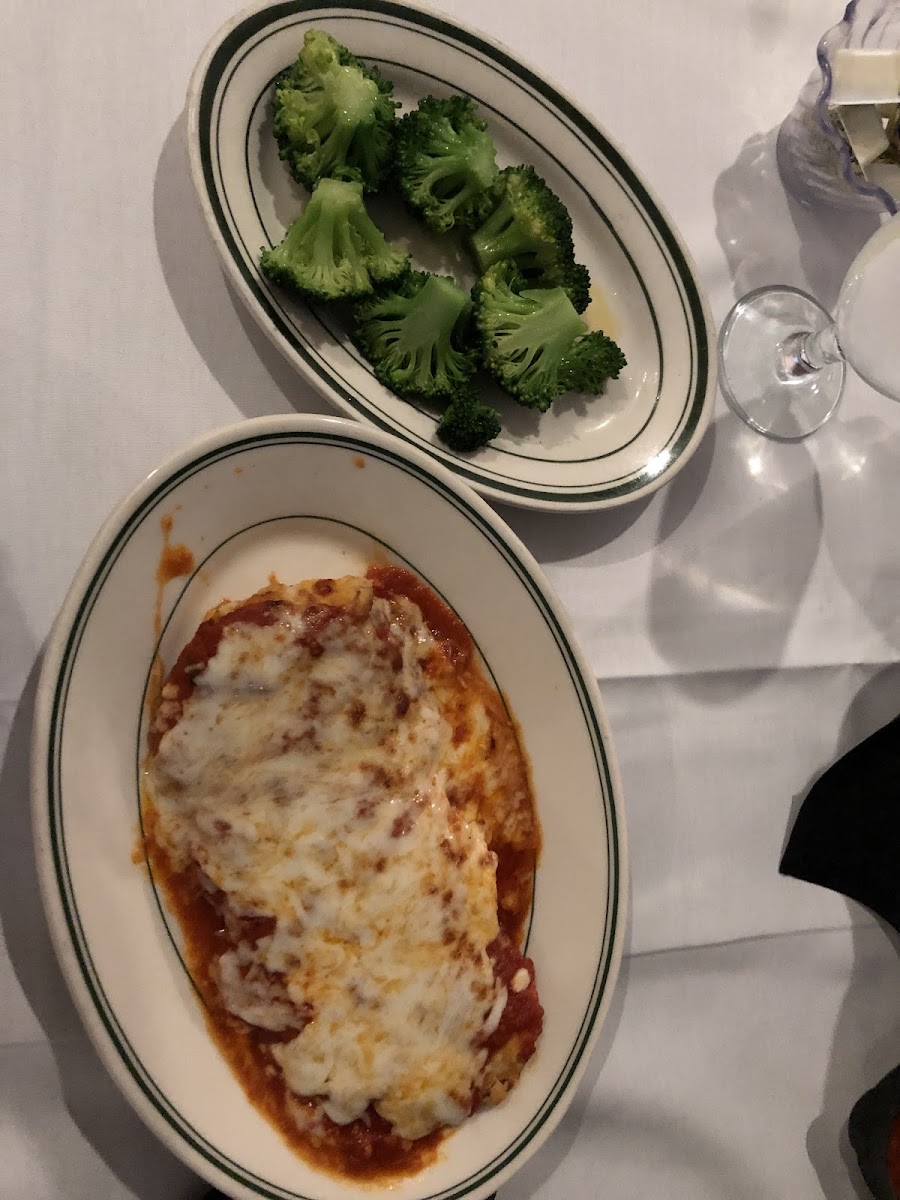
column 331, row 773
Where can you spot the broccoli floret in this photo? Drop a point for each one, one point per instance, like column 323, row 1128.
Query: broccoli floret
column 334, row 251
column 466, row 424
column 575, row 280
column 445, row 163
column 534, row 342
column 415, row 337
column 333, row 116
column 596, row 359
column 530, row 226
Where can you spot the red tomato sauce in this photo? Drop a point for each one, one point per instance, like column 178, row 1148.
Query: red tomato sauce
column 365, row 1149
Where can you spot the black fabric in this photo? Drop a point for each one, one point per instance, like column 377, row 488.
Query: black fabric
column 847, row 833
column 869, row 1130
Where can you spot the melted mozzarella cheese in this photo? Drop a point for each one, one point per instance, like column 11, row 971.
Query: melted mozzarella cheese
column 307, row 777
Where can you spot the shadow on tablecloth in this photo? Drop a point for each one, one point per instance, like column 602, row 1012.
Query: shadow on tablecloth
column 859, row 465
column 769, row 237
column 226, row 337
column 99, row 1111
column 730, row 573
column 554, row 538
column 739, row 536
column 866, row 1040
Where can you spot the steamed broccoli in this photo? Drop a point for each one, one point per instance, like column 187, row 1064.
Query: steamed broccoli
column 334, row 251
column 415, row 337
column 534, row 342
column 466, row 424
column 531, row 226
column 333, row 116
column 445, row 163
column 575, row 280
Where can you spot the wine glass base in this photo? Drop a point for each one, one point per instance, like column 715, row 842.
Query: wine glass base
column 751, row 365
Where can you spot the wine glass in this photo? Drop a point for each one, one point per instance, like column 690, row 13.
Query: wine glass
column 783, row 359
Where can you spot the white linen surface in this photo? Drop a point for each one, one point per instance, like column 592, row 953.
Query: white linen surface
column 743, row 622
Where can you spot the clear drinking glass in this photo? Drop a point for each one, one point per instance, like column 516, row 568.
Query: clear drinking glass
column 783, row 358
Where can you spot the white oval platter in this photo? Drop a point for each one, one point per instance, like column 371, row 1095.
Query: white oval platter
column 307, row 497
column 586, row 453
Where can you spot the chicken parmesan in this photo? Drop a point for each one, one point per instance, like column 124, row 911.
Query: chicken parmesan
column 339, row 811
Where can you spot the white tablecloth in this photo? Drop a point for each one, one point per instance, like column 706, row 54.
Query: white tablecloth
column 743, row 622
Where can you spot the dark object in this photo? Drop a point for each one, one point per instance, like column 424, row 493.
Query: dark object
column 874, row 1130
column 847, row 833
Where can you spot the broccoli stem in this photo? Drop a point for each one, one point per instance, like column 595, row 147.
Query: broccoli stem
column 544, row 325
column 366, row 239
column 415, row 335
column 351, row 97
column 500, row 237
column 481, row 163
column 327, row 211
column 334, row 251
column 371, row 239
column 421, row 335
column 456, row 155
column 441, row 169
column 438, row 307
column 452, row 188
column 342, row 229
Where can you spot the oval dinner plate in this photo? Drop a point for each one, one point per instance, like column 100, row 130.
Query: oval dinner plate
column 587, row 452
column 307, row 497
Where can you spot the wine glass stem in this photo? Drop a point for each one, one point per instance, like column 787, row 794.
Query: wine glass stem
column 802, row 353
